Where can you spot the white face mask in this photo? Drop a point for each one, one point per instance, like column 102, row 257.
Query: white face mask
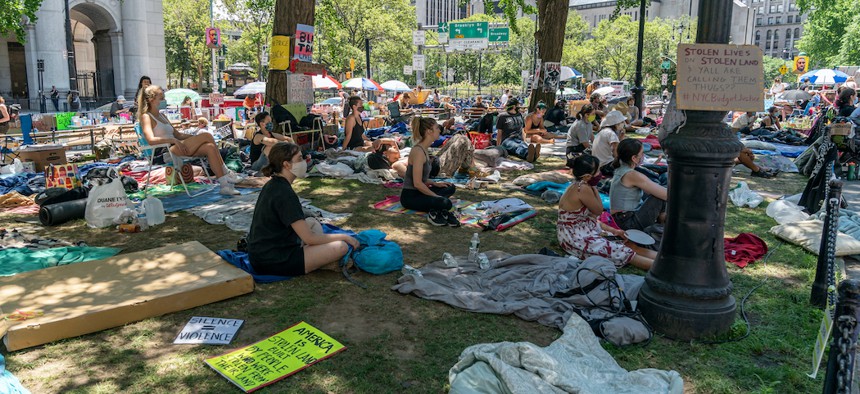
column 300, row 169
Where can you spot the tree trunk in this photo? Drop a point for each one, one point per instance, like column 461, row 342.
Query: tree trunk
column 288, row 13
column 552, row 18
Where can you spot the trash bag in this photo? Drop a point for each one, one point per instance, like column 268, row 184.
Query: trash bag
column 742, row 196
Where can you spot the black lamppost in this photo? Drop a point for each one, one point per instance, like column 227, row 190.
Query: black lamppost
column 70, row 51
column 639, row 90
column 687, row 293
column 40, row 67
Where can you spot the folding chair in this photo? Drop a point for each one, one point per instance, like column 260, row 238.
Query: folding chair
column 299, row 111
column 149, row 150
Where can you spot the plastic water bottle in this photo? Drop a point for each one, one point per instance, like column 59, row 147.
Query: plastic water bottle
column 483, row 261
column 473, row 248
column 141, row 218
column 410, row 270
column 852, row 171
column 154, row 211
column 449, row 260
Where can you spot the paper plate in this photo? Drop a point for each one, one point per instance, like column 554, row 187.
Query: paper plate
column 640, row 237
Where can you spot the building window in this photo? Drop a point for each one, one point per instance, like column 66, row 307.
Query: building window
column 779, row 20
column 796, row 33
column 770, row 20
column 779, row 8
column 758, row 38
column 789, row 19
column 772, row 8
column 758, row 21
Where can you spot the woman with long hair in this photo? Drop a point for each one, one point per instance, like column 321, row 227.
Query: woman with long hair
column 353, row 126
column 628, row 187
column 281, row 241
column 157, row 130
column 579, row 231
column 263, row 140
column 419, row 193
column 845, row 102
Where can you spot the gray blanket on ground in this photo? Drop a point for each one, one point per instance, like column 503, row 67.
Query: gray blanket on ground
column 536, row 288
column 574, row 363
column 237, row 213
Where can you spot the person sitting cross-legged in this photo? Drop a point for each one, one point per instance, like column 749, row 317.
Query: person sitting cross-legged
column 281, row 240
column 579, row 231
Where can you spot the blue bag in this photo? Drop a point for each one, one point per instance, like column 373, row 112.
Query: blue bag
column 376, row 255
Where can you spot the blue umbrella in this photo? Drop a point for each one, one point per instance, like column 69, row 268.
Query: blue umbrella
column 825, row 76
column 362, row 84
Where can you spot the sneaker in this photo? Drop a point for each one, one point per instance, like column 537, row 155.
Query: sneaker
column 231, row 177
column 436, row 218
column 227, row 189
column 537, row 152
column 762, row 173
column 530, row 156
column 452, row 219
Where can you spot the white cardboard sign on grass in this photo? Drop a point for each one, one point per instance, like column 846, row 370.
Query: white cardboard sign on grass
column 209, row 331
column 720, row 77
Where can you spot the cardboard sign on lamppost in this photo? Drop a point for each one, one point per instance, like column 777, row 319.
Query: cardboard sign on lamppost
column 720, row 77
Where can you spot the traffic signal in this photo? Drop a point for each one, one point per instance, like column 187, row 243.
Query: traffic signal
column 225, row 76
column 348, row 75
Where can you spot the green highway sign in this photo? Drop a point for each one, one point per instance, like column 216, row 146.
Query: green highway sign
column 500, row 34
column 468, row 30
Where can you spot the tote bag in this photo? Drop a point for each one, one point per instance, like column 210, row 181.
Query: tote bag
column 106, row 202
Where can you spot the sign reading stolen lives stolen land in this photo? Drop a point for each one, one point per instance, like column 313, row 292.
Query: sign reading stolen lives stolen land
column 718, row 77
column 208, row 331
column 275, row 357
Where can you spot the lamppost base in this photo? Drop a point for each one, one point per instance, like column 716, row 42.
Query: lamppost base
column 686, row 318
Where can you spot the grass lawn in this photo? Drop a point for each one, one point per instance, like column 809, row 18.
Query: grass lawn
column 402, row 343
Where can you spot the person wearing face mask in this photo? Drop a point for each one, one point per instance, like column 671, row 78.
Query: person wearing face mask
column 263, row 140
column 510, row 133
column 628, row 187
column 579, row 231
column 281, row 241
column 157, row 130
column 581, row 133
column 534, row 128
column 607, row 139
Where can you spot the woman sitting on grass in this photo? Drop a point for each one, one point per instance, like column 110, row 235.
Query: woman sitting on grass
column 578, row 228
column 263, row 140
column 535, row 130
column 418, row 192
column 281, row 242
column 628, row 186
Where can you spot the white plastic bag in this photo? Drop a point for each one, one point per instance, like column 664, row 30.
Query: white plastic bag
column 784, row 211
column 15, row 168
column 742, row 196
column 106, row 202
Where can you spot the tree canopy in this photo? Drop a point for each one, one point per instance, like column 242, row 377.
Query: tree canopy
column 830, row 32
column 184, row 37
column 12, row 15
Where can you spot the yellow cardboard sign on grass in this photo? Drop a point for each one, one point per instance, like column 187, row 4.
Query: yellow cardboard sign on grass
column 276, row 357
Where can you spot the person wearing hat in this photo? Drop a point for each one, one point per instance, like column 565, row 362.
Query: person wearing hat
column 510, row 134
column 607, row 139
column 117, row 106
column 535, row 130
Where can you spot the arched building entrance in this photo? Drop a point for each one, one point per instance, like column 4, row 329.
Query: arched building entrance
column 93, row 30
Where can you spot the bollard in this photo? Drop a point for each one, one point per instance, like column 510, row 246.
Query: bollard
column 840, row 362
column 825, row 271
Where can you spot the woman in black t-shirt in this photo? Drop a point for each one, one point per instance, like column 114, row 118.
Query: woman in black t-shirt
column 280, row 241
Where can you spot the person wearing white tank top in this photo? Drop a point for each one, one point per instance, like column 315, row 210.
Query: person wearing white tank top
column 158, row 130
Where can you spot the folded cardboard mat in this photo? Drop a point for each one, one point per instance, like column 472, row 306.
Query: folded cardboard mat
column 72, row 300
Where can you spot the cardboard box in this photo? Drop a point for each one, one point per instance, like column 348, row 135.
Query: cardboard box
column 88, row 297
column 42, row 156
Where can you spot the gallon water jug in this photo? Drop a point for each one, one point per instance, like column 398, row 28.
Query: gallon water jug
column 154, row 211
